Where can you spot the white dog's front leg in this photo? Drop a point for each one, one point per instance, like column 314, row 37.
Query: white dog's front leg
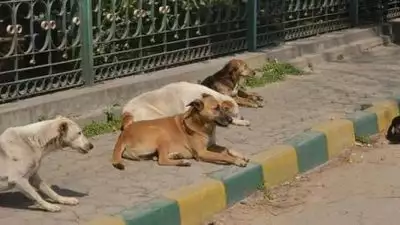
column 24, row 185
column 240, row 122
column 46, row 189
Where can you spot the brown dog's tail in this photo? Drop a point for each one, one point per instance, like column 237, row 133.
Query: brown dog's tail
column 127, row 119
column 117, row 153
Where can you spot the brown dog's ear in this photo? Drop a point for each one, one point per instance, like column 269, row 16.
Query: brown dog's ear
column 226, row 105
column 205, row 95
column 63, row 128
column 197, row 104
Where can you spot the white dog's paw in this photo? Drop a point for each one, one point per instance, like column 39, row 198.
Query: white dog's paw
column 51, row 207
column 68, row 201
column 246, row 123
column 241, row 122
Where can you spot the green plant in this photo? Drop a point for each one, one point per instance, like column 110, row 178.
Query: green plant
column 273, row 71
column 364, row 139
column 111, row 124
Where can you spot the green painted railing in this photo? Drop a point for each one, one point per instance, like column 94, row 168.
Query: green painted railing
column 50, row 45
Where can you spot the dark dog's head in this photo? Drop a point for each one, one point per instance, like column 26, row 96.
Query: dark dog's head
column 393, row 133
column 239, row 69
column 209, row 110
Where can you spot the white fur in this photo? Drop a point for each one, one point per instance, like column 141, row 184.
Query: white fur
column 22, row 149
column 173, row 99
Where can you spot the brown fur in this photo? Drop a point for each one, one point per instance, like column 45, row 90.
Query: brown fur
column 177, row 138
column 228, row 81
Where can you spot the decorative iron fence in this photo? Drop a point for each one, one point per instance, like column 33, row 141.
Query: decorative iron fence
column 49, row 45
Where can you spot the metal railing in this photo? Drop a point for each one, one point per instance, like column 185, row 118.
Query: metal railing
column 50, row 45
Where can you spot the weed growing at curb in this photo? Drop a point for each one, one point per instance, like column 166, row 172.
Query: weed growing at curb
column 111, row 124
column 273, row 71
column 364, row 140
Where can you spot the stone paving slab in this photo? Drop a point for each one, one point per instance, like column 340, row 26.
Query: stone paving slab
column 291, row 107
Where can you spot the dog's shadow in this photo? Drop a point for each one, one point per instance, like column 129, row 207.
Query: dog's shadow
column 17, row 200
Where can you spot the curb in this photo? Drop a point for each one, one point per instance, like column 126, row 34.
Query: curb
column 194, row 204
column 86, row 104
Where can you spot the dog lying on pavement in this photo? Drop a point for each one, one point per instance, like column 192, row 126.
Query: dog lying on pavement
column 229, row 81
column 178, row 138
column 393, row 132
column 22, row 149
column 173, row 99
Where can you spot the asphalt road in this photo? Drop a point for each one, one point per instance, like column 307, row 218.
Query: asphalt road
column 361, row 188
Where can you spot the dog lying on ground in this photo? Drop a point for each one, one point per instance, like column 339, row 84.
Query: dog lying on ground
column 22, row 149
column 173, row 99
column 229, row 81
column 178, row 138
column 393, row 132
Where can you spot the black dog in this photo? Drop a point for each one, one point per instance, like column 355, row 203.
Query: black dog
column 393, row 133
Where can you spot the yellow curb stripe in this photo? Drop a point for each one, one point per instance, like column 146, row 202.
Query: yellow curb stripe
column 279, row 164
column 339, row 135
column 385, row 112
column 199, row 202
column 106, row 220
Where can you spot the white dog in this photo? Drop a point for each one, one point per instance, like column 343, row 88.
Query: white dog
column 173, row 99
column 23, row 147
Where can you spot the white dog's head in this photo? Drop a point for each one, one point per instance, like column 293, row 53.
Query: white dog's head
column 71, row 135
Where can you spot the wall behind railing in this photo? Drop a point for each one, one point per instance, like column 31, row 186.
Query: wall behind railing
column 47, row 46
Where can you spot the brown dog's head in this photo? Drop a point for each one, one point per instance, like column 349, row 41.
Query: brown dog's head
column 210, row 110
column 238, row 68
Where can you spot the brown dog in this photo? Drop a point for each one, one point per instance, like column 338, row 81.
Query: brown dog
column 177, row 138
column 229, row 80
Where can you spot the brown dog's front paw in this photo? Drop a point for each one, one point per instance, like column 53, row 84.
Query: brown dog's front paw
column 260, row 104
column 241, row 163
column 184, row 162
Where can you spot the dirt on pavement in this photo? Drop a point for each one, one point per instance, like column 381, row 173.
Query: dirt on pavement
column 360, row 187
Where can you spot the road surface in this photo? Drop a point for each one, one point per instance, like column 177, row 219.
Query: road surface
column 361, row 188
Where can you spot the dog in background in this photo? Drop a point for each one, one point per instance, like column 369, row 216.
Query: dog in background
column 393, row 132
column 173, row 99
column 178, row 138
column 230, row 80
column 22, row 149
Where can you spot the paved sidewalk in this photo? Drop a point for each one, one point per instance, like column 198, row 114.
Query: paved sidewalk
column 363, row 192
column 291, row 107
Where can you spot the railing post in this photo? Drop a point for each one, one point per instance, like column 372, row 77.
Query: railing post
column 251, row 8
column 354, row 12
column 85, row 7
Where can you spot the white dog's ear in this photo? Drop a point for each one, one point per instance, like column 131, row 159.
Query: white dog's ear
column 63, row 128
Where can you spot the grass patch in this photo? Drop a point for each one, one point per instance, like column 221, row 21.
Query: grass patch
column 364, row 140
column 111, row 124
column 273, row 71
